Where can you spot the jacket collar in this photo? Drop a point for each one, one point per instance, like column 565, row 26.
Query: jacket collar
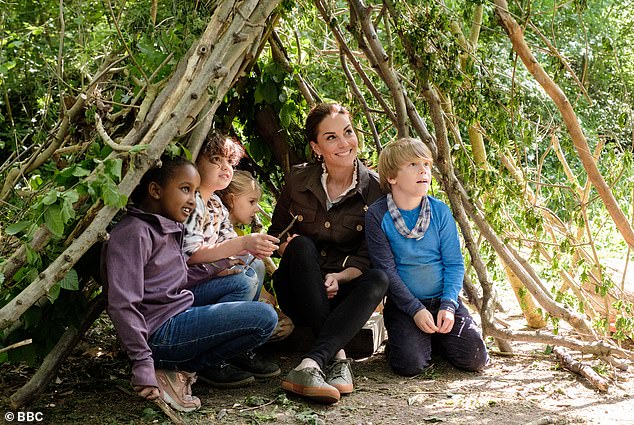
column 312, row 181
column 162, row 224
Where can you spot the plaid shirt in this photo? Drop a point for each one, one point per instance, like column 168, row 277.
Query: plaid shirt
column 207, row 225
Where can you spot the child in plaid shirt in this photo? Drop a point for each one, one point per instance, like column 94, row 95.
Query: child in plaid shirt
column 210, row 238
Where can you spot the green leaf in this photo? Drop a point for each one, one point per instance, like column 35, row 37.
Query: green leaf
column 54, row 221
column 67, row 211
column 111, row 195
column 70, row 281
column 138, row 148
column 14, row 229
column 71, row 196
column 266, row 92
column 78, row 171
column 50, row 198
column 113, row 168
column 6, row 66
column 53, row 293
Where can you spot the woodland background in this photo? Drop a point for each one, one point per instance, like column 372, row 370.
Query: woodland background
column 527, row 106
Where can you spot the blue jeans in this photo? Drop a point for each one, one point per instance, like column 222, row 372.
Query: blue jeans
column 411, row 349
column 256, row 265
column 214, row 329
column 236, row 287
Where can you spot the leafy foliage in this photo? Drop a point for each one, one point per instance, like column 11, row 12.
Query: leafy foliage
column 586, row 46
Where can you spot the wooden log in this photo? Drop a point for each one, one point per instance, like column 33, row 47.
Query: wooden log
column 582, row 369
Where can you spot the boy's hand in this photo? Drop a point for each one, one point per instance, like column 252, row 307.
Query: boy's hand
column 445, row 321
column 261, row 245
column 425, row 321
column 149, row 393
column 332, row 285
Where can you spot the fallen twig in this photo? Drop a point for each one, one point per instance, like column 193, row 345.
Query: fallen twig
column 256, row 407
column 174, row 417
column 581, row 368
column 16, row 345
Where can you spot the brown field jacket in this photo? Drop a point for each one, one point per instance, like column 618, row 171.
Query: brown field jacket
column 339, row 233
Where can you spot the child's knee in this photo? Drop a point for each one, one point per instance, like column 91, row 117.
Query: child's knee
column 269, row 318
column 475, row 360
column 407, row 364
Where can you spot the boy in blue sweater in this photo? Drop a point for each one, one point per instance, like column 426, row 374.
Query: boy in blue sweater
column 413, row 238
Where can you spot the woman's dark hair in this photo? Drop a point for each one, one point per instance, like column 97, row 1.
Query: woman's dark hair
column 317, row 114
column 160, row 173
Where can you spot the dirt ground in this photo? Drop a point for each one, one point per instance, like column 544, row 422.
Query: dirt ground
column 527, row 388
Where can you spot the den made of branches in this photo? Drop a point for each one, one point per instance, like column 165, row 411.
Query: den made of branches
column 526, row 107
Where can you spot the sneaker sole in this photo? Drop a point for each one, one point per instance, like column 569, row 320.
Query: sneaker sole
column 320, row 394
column 235, row 384
column 176, row 406
column 266, row 375
column 344, row 389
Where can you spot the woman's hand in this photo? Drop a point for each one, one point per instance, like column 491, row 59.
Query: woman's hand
column 283, row 245
column 445, row 321
column 148, row 393
column 332, row 284
column 260, row 244
column 232, row 269
column 425, row 321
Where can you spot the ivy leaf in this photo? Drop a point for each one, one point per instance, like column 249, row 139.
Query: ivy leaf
column 54, row 221
column 70, row 281
column 14, row 229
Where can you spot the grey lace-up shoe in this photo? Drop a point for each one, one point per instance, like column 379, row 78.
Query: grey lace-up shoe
column 310, row 383
column 340, row 376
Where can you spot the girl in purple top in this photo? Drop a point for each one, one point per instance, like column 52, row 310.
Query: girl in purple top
column 172, row 331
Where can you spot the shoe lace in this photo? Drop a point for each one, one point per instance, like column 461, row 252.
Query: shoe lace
column 338, row 370
column 188, row 379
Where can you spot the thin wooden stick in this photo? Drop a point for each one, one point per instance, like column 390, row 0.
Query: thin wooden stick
column 16, row 345
column 174, row 417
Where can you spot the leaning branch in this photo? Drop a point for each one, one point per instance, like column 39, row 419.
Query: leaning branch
column 520, row 46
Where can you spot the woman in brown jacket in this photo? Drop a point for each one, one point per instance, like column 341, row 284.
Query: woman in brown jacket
column 324, row 279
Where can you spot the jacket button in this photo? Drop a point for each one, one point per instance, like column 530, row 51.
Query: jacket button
column 323, row 253
column 300, row 217
column 327, row 225
column 359, row 227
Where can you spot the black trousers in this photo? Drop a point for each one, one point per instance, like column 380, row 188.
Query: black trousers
column 299, row 286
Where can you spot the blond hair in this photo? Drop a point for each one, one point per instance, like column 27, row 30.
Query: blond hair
column 395, row 154
column 243, row 182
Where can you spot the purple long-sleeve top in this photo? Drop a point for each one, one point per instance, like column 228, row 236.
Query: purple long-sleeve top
column 146, row 274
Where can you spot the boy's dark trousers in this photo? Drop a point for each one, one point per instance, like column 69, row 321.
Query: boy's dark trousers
column 410, row 349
